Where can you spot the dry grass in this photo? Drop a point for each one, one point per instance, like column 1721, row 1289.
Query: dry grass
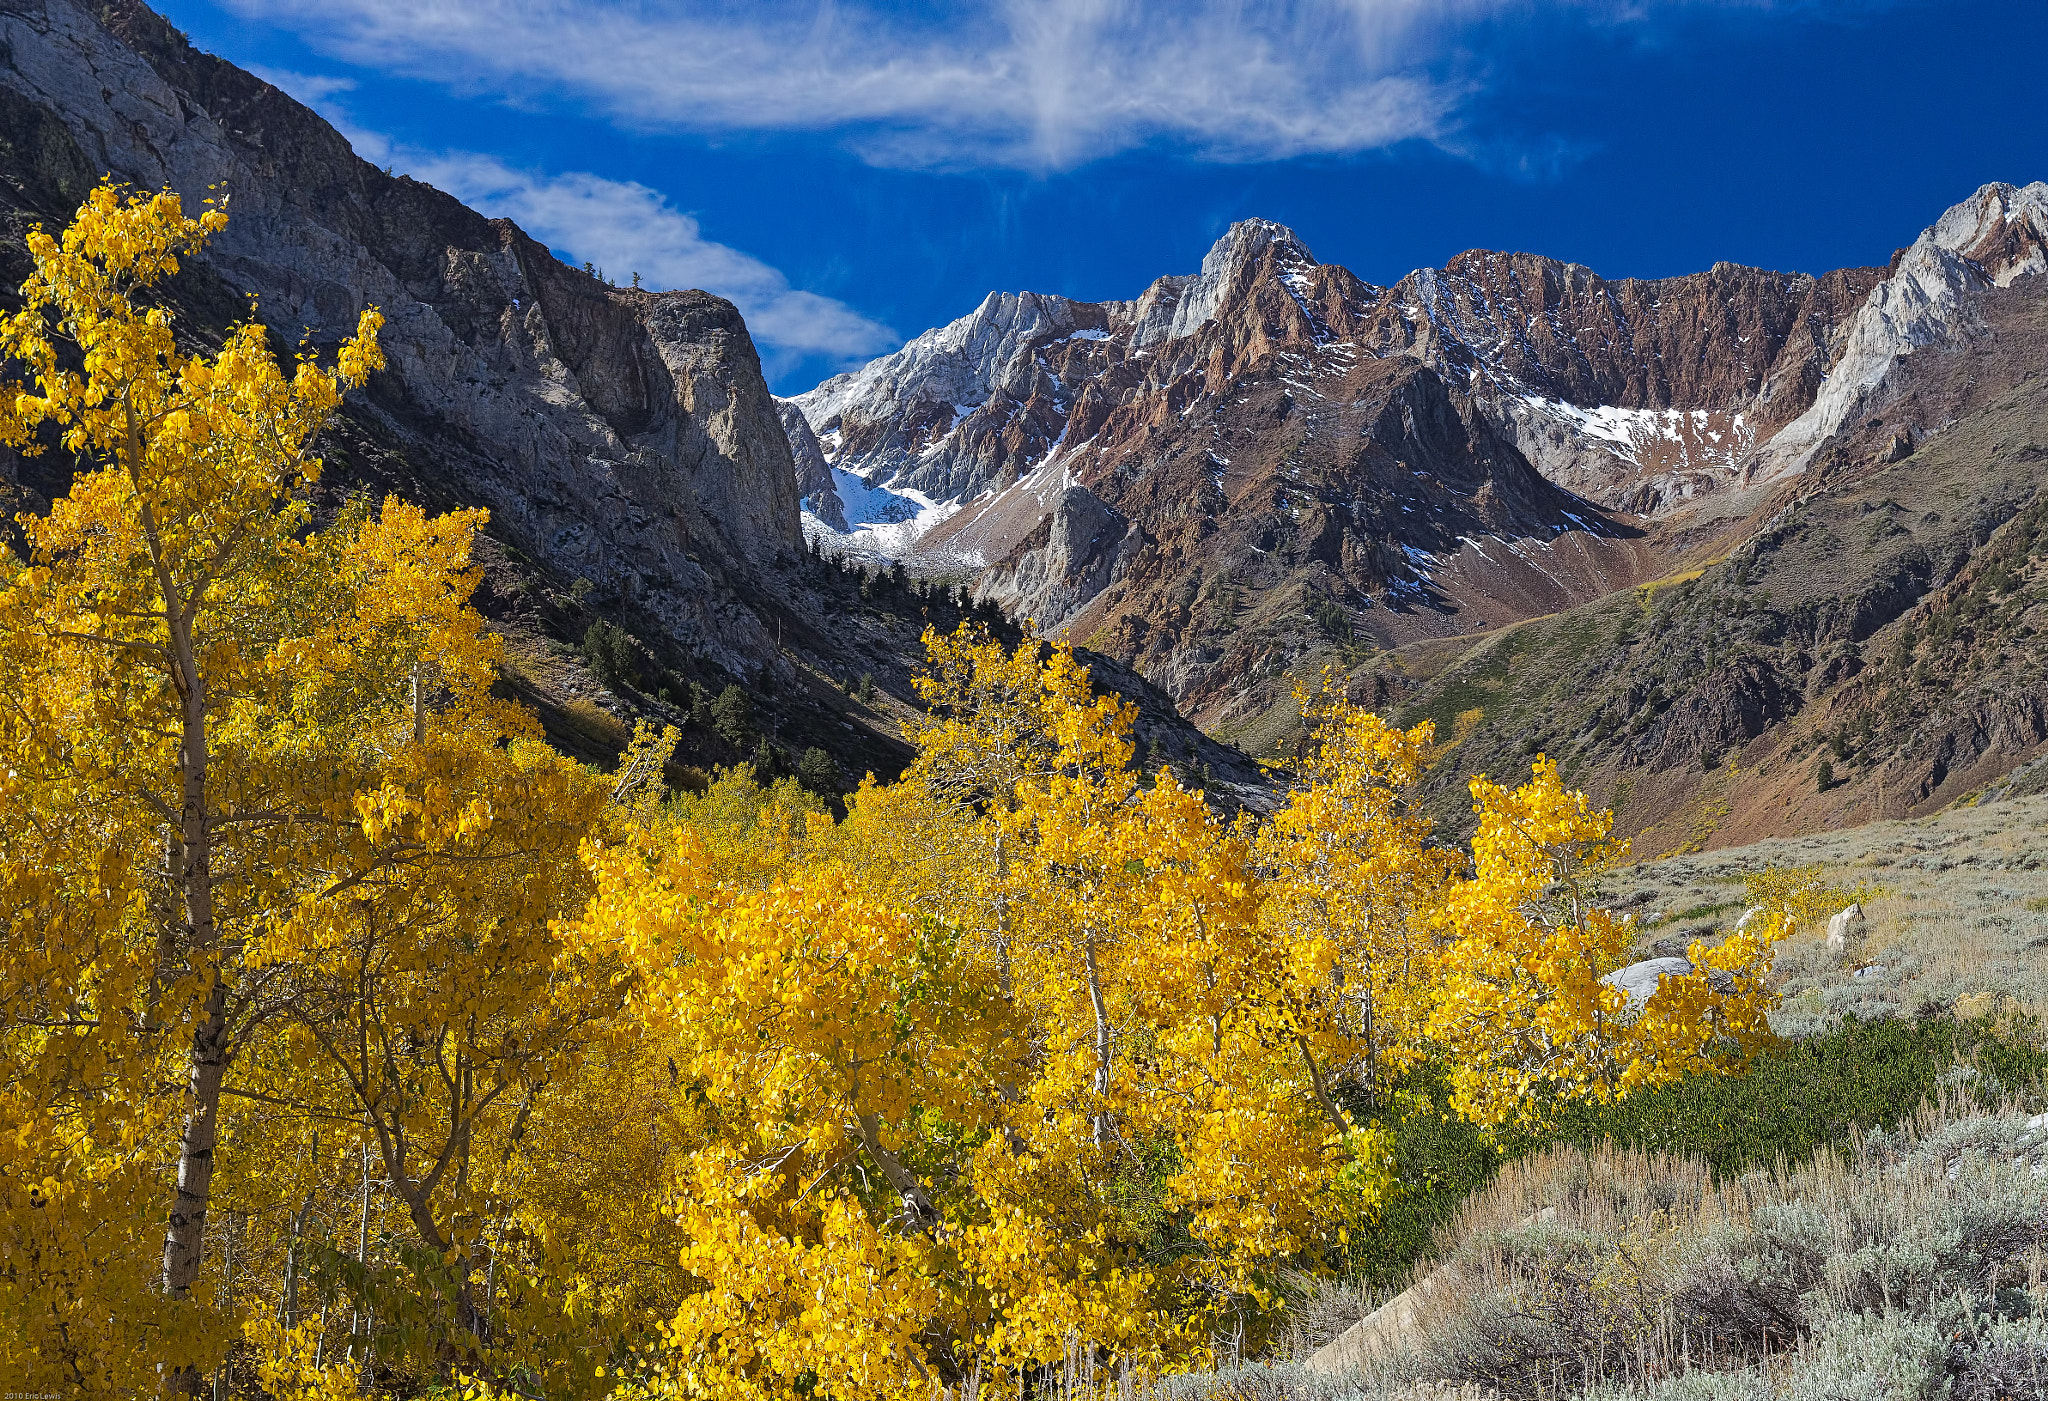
column 1908, row 1265
column 1965, row 925
column 595, row 723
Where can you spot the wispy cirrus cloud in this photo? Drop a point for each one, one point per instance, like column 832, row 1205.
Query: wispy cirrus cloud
column 316, row 90
column 620, row 226
column 624, row 228
column 1034, row 84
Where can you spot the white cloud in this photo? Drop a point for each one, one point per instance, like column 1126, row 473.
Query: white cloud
column 622, row 227
column 316, row 90
column 1033, row 84
column 1030, row 83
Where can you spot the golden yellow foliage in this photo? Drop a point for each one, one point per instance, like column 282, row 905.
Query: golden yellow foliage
column 1350, row 878
column 499, row 1075
column 1523, row 1009
column 159, row 795
column 1803, row 894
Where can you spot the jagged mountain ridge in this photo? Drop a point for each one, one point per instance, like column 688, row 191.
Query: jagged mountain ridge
column 1631, row 424
column 1278, row 434
column 1878, row 599
column 959, row 406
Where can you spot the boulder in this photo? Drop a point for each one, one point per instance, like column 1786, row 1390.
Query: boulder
column 1389, row 1327
column 1639, row 980
column 1845, row 923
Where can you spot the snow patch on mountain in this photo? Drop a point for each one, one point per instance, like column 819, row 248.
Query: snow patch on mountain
column 1636, row 436
column 882, row 522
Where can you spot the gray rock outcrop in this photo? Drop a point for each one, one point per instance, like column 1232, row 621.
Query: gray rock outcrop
column 815, row 489
column 621, row 436
column 1844, row 926
column 1079, row 550
column 1640, row 981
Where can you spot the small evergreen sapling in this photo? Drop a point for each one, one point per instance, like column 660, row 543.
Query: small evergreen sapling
column 817, row 772
column 732, row 716
column 609, row 650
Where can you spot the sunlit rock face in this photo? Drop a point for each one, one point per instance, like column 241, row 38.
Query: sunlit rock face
column 621, row 436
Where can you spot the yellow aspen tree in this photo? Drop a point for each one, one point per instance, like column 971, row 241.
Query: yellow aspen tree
column 141, row 627
column 1132, row 956
column 420, row 988
column 750, row 832
column 820, row 1032
column 989, row 725
column 913, row 1135
column 1161, row 1100
column 1351, row 883
column 1522, row 1010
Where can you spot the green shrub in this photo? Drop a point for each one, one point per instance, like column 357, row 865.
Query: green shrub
column 1797, row 1097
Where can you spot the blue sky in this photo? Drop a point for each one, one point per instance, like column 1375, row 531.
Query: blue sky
column 853, row 173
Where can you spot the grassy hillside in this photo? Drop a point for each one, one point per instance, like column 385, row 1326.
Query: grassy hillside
column 1887, row 617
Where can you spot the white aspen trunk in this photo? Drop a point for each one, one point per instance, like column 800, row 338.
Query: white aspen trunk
column 1103, row 1045
column 356, row 1318
column 206, row 1060
column 288, row 1302
column 918, row 1211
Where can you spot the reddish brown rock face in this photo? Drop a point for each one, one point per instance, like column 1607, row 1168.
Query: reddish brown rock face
column 1275, row 454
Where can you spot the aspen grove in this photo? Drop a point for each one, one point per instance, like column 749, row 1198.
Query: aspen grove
column 354, row 1038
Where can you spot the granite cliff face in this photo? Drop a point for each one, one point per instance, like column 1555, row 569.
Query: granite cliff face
column 619, row 436
column 1933, row 299
column 815, row 489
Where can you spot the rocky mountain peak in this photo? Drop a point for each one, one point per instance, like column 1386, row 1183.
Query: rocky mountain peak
column 2002, row 228
column 1173, row 308
column 1932, row 297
